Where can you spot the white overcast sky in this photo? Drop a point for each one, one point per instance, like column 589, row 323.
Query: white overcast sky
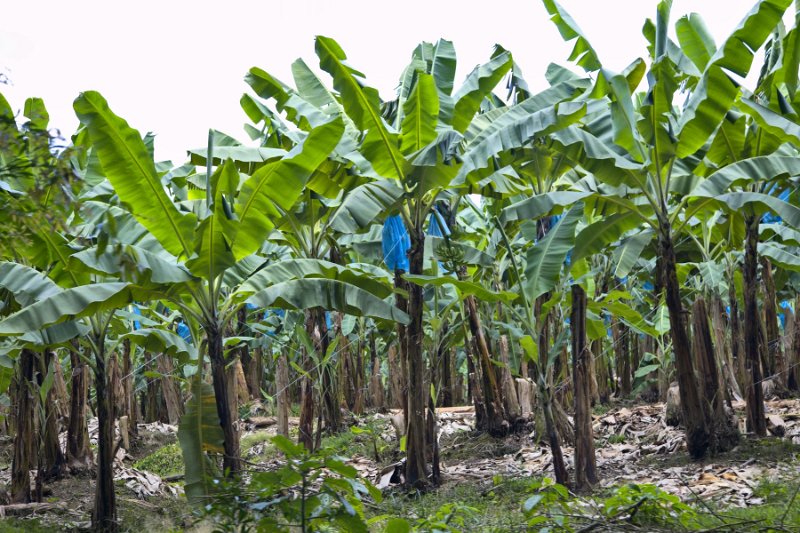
column 176, row 67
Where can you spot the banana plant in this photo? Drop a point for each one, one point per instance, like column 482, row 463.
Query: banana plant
column 644, row 156
column 216, row 236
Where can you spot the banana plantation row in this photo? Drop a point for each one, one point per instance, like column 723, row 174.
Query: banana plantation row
column 605, row 236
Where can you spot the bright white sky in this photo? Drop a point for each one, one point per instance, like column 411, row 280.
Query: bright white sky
column 176, row 67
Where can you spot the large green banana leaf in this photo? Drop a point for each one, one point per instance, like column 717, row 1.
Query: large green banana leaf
column 761, row 168
column 716, row 92
column 158, row 340
column 545, row 260
column 362, row 104
column 541, row 205
column 213, row 254
column 466, row 100
column 364, row 204
column 464, row 288
column 137, row 263
column 199, row 432
column 582, row 53
column 130, row 169
column 517, row 128
column 329, row 294
column 275, row 187
column 421, row 115
column 28, row 285
column 313, row 268
column 67, row 304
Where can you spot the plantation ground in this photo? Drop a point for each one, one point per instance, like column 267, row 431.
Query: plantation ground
column 486, row 480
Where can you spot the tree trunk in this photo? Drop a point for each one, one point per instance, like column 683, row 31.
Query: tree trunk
column 104, row 515
column 777, row 364
column 756, row 421
column 395, row 378
column 697, row 433
column 585, row 462
column 154, row 409
column 622, row 342
column 416, row 443
column 496, row 422
column 737, row 336
column 52, row 462
column 724, row 434
column 223, row 397
column 402, row 338
column 724, row 348
column 282, row 393
column 252, row 363
column 793, row 380
column 173, row 403
column 79, row 453
column 509, row 390
column 128, row 388
column 314, row 328
column 25, row 439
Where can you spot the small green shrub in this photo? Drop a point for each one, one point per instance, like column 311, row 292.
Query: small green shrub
column 648, row 505
column 619, row 438
column 164, row 461
column 311, row 492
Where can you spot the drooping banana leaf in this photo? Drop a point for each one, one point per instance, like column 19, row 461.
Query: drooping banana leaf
column 199, row 433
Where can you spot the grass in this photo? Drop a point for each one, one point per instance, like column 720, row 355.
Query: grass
column 365, row 440
column 495, row 506
column 165, row 461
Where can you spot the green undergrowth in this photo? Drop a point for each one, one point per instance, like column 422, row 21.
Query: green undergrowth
column 531, row 504
column 23, row 525
column 495, row 506
column 768, row 450
column 165, row 461
column 366, row 440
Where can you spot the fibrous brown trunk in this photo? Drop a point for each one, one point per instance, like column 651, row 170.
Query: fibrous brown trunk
column 402, row 337
column 496, row 421
column 395, row 378
column 25, row 439
column 622, row 341
column 756, row 421
column 224, row 399
column 793, row 380
column 585, row 462
column 724, row 434
column 170, row 391
column 777, row 363
column 282, row 393
column 509, row 390
column 697, row 432
column 104, row 514
column 128, row 388
column 52, row 462
column 724, row 348
column 79, row 454
column 252, row 361
column 416, row 441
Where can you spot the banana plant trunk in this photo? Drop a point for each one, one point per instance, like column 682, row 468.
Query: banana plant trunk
column 25, row 438
column 585, row 461
column 79, row 453
column 104, row 515
column 52, row 460
column 775, row 357
column 416, row 441
column 754, row 396
column 495, row 421
column 223, row 397
column 724, row 432
column 697, row 432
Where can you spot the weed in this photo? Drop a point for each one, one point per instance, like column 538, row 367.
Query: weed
column 165, row 461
